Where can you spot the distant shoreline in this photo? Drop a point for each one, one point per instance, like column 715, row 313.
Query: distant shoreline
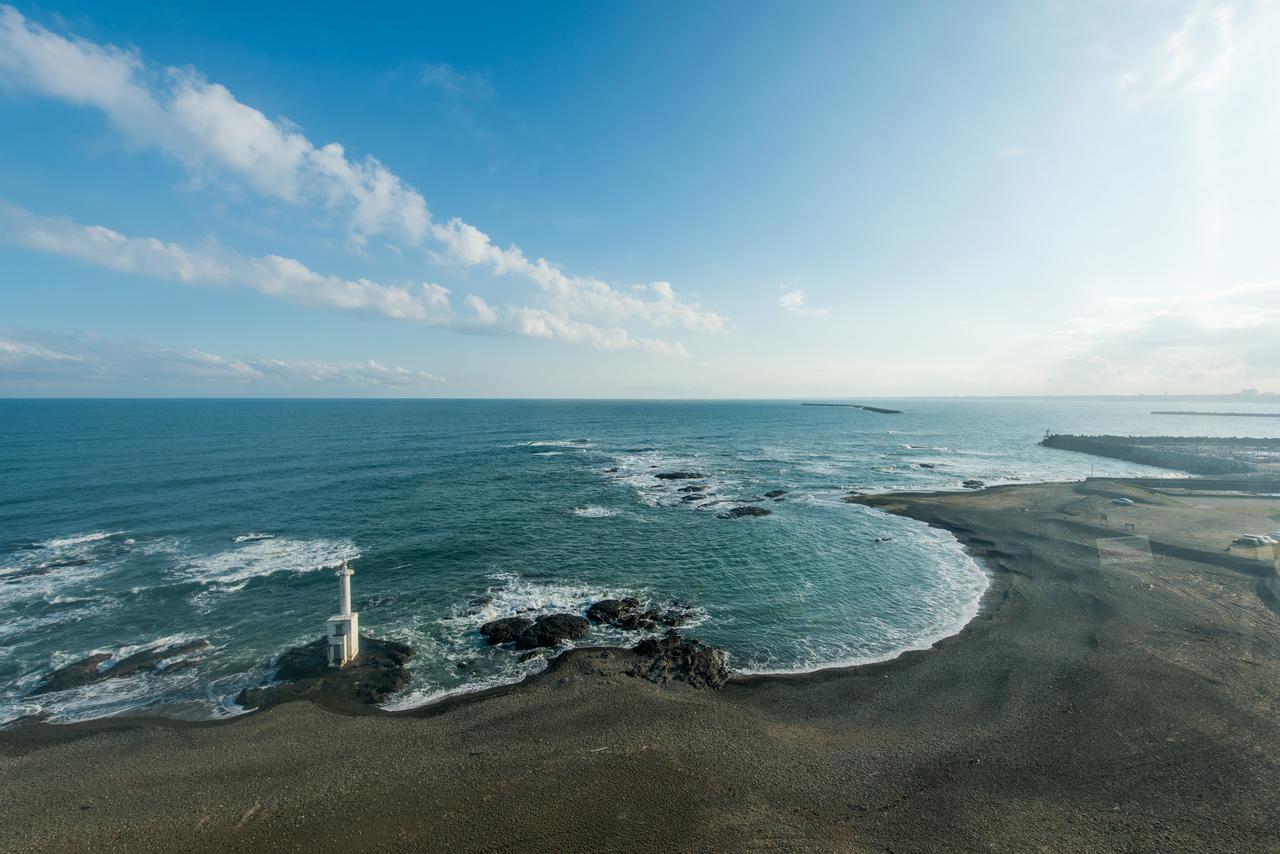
column 1216, row 414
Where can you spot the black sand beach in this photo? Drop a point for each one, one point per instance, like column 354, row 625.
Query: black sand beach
column 1092, row 705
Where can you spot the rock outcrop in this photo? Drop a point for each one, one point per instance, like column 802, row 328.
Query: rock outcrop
column 551, row 630
column 505, row 630
column 673, row 657
column 303, row 673
column 678, row 475
column 630, row 614
column 89, row 670
column 745, row 512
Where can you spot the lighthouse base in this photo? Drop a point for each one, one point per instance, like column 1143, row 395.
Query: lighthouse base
column 342, row 638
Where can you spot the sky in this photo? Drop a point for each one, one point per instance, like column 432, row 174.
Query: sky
column 667, row 200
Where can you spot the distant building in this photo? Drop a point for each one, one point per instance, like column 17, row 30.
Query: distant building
column 1248, row 392
column 342, row 630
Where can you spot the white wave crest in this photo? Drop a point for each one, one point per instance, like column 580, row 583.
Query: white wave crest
column 252, row 536
column 593, row 512
column 230, row 570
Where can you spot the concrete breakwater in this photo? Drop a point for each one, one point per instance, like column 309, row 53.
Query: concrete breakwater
column 1195, row 454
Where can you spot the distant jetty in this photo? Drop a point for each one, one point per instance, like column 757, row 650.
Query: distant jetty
column 879, row 409
column 1226, row 414
column 1196, row 454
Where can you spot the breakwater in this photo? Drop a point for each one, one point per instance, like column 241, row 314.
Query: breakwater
column 1195, row 454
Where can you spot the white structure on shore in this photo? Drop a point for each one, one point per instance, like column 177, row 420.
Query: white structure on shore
column 342, row 630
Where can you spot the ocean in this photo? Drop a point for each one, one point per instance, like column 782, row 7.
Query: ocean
column 134, row 525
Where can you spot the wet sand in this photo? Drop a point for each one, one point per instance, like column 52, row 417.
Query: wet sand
column 1090, row 706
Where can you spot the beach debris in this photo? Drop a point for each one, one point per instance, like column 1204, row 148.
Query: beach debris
column 303, row 673
column 90, row 670
column 675, row 657
column 505, row 630
column 745, row 512
column 678, row 475
column 551, row 630
column 973, row 483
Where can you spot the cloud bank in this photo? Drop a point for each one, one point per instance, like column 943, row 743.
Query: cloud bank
column 200, row 124
column 291, row 280
column 36, row 362
column 793, row 302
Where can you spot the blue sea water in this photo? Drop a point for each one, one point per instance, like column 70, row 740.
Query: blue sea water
column 129, row 525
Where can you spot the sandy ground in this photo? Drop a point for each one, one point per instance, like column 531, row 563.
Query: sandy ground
column 1090, row 706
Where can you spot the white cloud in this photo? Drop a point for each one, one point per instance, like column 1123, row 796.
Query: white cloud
column 211, row 264
column 1196, row 56
column 291, row 280
column 574, row 296
column 202, row 125
column 56, row 362
column 447, row 79
column 793, row 302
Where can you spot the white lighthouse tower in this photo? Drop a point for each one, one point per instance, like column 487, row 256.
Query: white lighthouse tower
column 342, row 630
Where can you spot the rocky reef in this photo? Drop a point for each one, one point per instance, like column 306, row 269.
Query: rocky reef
column 674, row 657
column 303, row 673
column 90, row 670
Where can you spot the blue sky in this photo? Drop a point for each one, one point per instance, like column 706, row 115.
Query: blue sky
column 640, row 200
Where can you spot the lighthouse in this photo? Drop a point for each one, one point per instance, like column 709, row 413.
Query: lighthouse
column 342, row 630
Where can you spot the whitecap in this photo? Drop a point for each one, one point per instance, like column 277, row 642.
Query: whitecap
column 230, row 570
column 77, row 539
column 593, row 512
column 253, row 536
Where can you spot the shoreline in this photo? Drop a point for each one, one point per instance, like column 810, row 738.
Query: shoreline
column 464, row 694
column 1084, row 706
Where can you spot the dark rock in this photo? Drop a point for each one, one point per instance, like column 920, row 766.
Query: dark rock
column 551, row 630
column 629, row 615
column 613, row 470
column 89, row 670
column 973, row 483
column 505, row 630
column 694, row 487
column 608, row 611
column 927, row 465
column 694, row 497
column 743, row 512
column 304, row 674
column 678, row 475
column 674, row 657
column 775, row 493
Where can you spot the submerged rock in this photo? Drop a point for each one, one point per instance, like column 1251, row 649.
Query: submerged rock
column 551, row 630
column 504, row 630
column 678, row 475
column 775, row 493
column 629, row 614
column 973, row 483
column 694, row 487
column 927, row 465
column 673, row 657
column 89, row 670
column 303, row 673
column 744, row 512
